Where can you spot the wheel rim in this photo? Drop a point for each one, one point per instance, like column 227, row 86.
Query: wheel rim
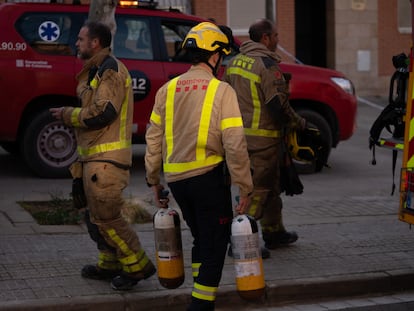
column 57, row 145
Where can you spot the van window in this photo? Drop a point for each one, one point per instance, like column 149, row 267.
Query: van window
column 50, row 33
column 133, row 38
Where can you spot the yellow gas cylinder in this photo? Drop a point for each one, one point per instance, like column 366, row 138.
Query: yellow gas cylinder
column 247, row 257
column 168, row 248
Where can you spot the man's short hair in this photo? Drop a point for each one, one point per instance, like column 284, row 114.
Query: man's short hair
column 259, row 28
column 100, row 31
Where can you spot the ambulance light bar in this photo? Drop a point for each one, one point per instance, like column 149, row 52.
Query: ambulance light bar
column 135, row 4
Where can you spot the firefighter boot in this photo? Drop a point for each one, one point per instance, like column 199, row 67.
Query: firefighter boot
column 107, row 268
column 126, row 281
column 96, row 273
column 277, row 239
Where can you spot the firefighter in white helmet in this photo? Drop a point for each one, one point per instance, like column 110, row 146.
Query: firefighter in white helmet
column 196, row 137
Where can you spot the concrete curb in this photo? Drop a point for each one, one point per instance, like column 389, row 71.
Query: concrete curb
column 282, row 293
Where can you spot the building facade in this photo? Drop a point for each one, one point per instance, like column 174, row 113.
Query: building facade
column 356, row 37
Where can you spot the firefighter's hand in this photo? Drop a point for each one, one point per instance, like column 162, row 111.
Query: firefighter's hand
column 160, row 196
column 244, row 202
column 57, row 113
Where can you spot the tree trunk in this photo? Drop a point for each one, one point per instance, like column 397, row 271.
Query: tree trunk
column 104, row 11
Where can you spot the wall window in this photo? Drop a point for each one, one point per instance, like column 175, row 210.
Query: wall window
column 404, row 16
column 241, row 13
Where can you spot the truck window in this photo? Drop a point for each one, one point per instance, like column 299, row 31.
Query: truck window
column 174, row 33
column 49, row 33
column 133, row 38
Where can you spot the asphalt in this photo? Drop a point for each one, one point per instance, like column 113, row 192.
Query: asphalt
column 351, row 249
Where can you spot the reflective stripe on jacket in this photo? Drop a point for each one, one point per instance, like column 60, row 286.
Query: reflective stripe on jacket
column 201, row 159
column 196, row 124
column 256, row 76
column 98, row 88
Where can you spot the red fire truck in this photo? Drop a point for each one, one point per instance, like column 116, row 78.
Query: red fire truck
column 38, row 68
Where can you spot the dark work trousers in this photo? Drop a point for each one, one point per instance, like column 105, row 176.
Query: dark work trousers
column 206, row 204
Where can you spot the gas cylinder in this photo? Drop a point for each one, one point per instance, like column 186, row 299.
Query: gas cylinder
column 247, row 257
column 168, row 248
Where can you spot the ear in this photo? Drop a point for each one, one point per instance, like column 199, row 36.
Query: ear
column 95, row 43
column 264, row 39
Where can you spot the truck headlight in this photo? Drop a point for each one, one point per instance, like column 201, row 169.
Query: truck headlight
column 344, row 84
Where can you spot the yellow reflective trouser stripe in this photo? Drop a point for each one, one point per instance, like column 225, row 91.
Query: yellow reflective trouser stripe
column 195, row 267
column 204, row 292
column 108, row 261
column 133, row 262
column 123, row 142
column 263, row 133
column 74, row 118
column 231, row 122
column 107, row 257
column 201, row 159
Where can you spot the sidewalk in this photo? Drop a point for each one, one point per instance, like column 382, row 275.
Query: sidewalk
column 351, row 244
column 347, row 246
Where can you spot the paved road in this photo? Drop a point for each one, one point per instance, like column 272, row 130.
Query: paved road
column 351, row 242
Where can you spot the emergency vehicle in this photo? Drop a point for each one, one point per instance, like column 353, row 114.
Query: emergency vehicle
column 38, row 67
column 398, row 116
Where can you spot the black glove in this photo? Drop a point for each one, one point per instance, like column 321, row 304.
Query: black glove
column 78, row 193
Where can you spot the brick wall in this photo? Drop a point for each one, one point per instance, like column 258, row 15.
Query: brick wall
column 216, row 9
column 390, row 41
column 285, row 17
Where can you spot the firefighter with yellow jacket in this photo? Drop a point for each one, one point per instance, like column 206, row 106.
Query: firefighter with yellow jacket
column 262, row 91
column 196, row 137
column 103, row 131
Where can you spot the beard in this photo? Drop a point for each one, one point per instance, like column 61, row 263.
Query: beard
column 84, row 55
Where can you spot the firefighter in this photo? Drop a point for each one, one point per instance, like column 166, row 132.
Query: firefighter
column 196, row 136
column 103, row 126
column 263, row 93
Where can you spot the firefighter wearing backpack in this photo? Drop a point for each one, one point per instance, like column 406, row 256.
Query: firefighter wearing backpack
column 196, row 136
column 263, row 98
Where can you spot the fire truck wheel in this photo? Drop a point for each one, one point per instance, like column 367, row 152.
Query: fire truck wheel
column 48, row 146
column 314, row 119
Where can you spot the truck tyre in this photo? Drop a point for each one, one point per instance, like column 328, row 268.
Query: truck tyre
column 48, row 146
column 314, row 119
